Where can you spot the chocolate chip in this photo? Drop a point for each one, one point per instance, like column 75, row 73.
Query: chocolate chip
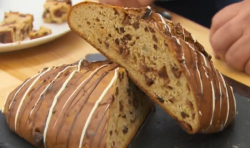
column 162, row 73
column 116, row 12
column 151, row 30
column 124, row 51
column 160, row 100
column 100, row 42
column 59, row 13
column 110, row 132
column 116, row 91
column 121, row 106
column 136, row 25
column 147, row 13
column 149, row 81
column 155, row 47
column 124, row 116
column 125, row 130
column 88, row 23
column 155, row 38
column 184, row 115
column 186, row 125
column 172, row 99
column 143, row 67
column 126, row 20
column 146, row 29
column 132, row 44
column 127, row 37
column 117, row 41
column 177, row 73
column 45, row 33
column 169, row 87
column 122, row 30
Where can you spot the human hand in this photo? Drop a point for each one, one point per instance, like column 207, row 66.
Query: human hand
column 230, row 35
column 128, row 3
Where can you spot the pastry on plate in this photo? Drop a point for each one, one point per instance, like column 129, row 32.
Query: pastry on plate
column 56, row 11
column 43, row 31
column 77, row 105
column 163, row 59
column 15, row 27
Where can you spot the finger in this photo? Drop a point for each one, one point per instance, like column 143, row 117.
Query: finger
column 131, row 3
column 113, row 2
column 225, row 37
column 145, row 2
column 239, row 53
column 223, row 16
column 247, row 68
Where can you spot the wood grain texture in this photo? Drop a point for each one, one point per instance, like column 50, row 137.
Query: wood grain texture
column 17, row 66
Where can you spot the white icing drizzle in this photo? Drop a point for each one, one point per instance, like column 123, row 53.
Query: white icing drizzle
column 56, row 99
column 26, row 93
column 13, row 98
column 220, row 97
column 183, row 32
column 204, row 58
column 95, row 107
column 197, row 68
column 233, row 98
column 47, row 87
column 178, row 41
column 213, row 102
column 228, row 107
column 200, row 113
column 164, row 23
column 79, row 86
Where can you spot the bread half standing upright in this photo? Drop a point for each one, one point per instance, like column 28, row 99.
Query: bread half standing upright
column 80, row 105
column 163, row 59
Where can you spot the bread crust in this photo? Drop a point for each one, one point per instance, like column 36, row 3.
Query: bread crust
column 214, row 100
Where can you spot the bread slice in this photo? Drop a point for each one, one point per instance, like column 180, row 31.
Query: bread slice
column 78, row 105
column 163, row 59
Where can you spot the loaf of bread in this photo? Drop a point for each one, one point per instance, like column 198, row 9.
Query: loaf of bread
column 81, row 105
column 163, row 60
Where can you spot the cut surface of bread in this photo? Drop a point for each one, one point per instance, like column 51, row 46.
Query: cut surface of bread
column 78, row 105
column 163, row 59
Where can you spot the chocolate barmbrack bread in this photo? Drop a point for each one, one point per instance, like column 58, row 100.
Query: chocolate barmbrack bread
column 15, row 27
column 77, row 105
column 163, row 59
column 56, row 11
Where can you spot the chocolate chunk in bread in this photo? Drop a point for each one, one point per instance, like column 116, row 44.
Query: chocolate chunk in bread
column 78, row 105
column 166, row 62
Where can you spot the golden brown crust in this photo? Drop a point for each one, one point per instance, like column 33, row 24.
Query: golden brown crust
column 77, row 105
column 211, row 104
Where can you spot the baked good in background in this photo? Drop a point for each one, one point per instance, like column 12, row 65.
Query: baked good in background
column 77, row 105
column 42, row 31
column 15, row 27
column 163, row 59
column 56, row 11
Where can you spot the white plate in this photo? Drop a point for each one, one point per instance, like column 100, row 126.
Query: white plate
column 34, row 7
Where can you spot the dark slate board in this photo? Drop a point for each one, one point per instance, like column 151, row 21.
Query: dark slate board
column 161, row 131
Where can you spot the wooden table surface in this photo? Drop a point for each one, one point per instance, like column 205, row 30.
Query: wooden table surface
column 16, row 66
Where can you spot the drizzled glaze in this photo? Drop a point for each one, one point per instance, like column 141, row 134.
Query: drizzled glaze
column 215, row 80
column 62, row 86
column 95, row 107
column 56, row 98
column 26, row 93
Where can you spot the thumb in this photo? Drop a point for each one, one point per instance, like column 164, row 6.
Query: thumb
column 145, row 2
